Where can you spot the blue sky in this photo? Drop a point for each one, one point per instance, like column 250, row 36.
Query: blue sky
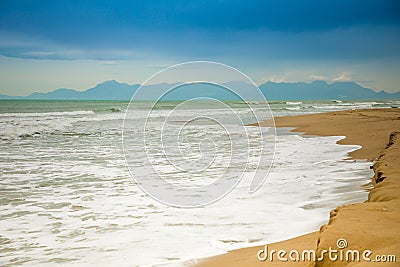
column 46, row 45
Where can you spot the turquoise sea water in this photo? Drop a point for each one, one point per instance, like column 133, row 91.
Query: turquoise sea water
column 39, row 106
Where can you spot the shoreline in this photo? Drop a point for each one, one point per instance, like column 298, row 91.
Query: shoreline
column 372, row 225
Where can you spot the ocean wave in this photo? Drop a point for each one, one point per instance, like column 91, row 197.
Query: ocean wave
column 293, row 103
column 293, row 108
column 344, row 106
column 27, row 125
column 48, row 114
column 116, row 109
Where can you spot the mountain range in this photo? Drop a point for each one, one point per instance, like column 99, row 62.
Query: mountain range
column 317, row 90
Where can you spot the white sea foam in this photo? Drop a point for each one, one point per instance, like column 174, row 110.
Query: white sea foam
column 47, row 114
column 293, row 103
column 67, row 197
column 21, row 125
column 293, row 108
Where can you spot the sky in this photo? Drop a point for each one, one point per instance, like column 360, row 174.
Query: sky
column 45, row 45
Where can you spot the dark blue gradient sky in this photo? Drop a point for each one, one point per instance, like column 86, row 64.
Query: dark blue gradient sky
column 49, row 44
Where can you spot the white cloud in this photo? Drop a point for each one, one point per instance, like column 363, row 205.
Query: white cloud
column 344, row 76
column 340, row 77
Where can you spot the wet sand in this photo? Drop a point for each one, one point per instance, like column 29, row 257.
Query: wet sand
column 373, row 225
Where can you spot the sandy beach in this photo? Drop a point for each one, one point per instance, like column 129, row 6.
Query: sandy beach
column 372, row 227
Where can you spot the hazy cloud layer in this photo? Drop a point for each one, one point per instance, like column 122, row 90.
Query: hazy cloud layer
column 264, row 38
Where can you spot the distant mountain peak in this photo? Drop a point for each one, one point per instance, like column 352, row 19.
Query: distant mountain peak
column 321, row 90
column 109, row 82
column 316, row 90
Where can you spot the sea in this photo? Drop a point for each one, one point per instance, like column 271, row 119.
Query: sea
column 67, row 196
